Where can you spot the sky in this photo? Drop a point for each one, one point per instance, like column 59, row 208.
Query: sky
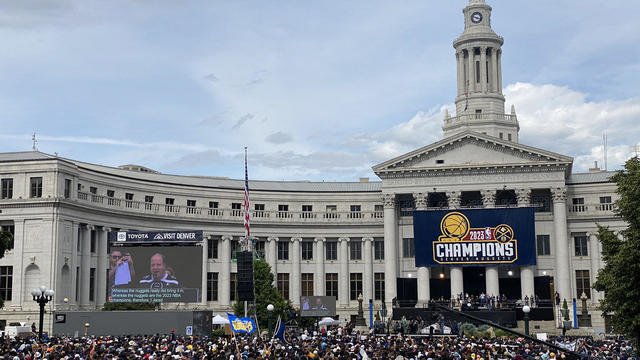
column 317, row 90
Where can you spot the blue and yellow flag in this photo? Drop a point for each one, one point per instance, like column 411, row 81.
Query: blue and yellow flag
column 281, row 333
column 241, row 325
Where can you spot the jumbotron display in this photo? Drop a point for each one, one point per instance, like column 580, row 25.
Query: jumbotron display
column 146, row 272
column 475, row 237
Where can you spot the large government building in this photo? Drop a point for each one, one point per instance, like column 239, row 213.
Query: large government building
column 337, row 239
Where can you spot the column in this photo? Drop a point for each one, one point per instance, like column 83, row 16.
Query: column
column 524, row 197
column 457, row 284
column 483, row 68
column 594, row 251
column 390, row 249
column 295, row 285
column 460, row 68
column 205, row 270
column 343, row 278
column 367, row 277
column 494, row 69
column 272, row 258
column 101, row 282
column 225, row 271
column 499, row 73
column 492, row 281
column 562, row 278
column 319, row 277
column 85, row 245
column 526, row 281
column 420, row 199
column 21, row 297
column 472, row 70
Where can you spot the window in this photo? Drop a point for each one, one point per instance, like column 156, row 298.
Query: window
column 378, row 251
column 307, row 211
column 283, row 285
column 355, row 250
column 213, row 208
column 111, row 193
column 93, row 190
column 260, row 246
column 7, row 188
column 283, row 211
column 577, row 205
column 581, row 243
column 543, row 245
column 331, row 284
column 212, row 286
column 331, row 250
column 501, row 135
column 6, row 282
column 605, row 199
column 129, row 199
column 236, row 209
column 283, row 250
column 509, row 137
column 259, row 210
column 331, row 212
column 10, row 229
column 577, row 201
column 355, row 285
column 408, row 248
column 79, row 187
column 541, row 199
column 233, row 288
column 93, row 242
column 439, row 161
column 583, row 283
column 67, row 188
column 148, row 200
column 307, row 250
column 378, row 280
column 378, row 211
column 478, row 114
column 191, row 206
column 235, row 247
column 355, row 211
column 605, row 203
column 36, row 187
column 92, row 284
column 307, row 284
column 477, row 71
column 212, row 248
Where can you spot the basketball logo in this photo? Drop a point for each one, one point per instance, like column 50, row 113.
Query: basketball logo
column 503, row 233
column 454, row 225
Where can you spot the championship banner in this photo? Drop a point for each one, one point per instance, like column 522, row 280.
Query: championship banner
column 241, row 324
column 475, row 237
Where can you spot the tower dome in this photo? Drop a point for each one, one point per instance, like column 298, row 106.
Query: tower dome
column 479, row 100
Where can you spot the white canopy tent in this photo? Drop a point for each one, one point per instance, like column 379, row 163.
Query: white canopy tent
column 219, row 320
column 329, row 321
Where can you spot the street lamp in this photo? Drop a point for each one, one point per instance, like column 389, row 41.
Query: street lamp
column 526, row 309
column 270, row 311
column 42, row 296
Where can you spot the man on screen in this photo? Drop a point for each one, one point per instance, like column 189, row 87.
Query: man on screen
column 121, row 270
column 160, row 277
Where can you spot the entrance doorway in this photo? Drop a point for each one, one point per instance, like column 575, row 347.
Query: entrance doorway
column 407, row 292
column 510, row 286
column 474, row 281
column 440, row 289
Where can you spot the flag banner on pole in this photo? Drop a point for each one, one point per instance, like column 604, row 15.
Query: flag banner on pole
column 247, row 231
column 241, row 324
column 281, row 333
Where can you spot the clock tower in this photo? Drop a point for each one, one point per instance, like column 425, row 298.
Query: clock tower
column 479, row 102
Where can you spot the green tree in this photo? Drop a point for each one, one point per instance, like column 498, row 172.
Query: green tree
column 6, row 243
column 620, row 276
column 265, row 294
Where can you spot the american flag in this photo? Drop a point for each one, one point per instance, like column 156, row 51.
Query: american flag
column 247, row 232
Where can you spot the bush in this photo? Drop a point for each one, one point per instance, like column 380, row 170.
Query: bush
column 217, row 332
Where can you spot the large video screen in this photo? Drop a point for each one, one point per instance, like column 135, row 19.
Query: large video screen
column 317, row 306
column 155, row 274
column 475, row 237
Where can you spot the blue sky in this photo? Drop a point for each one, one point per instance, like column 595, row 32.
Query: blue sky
column 317, row 90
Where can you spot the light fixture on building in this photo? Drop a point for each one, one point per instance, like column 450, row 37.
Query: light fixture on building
column 510, row 273
column 409, row 275
column 544, row 273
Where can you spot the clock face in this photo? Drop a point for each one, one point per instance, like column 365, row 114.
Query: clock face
column 476, row 17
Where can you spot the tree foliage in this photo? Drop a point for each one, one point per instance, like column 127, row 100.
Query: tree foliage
column 620, row 277
column 6, row 243
column 265, row 294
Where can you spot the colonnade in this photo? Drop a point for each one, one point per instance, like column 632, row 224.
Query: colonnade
column 467, row 71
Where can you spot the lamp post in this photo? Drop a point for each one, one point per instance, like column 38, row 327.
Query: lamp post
column 360, row 318
column 42, row 296
column 270, row 312
column 526, row 309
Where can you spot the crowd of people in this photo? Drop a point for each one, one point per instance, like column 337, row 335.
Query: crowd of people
column 340, row 343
